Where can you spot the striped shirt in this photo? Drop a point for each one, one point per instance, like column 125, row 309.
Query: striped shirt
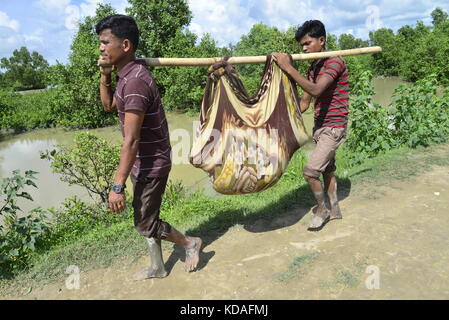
column 332, row 106
column 136, row 90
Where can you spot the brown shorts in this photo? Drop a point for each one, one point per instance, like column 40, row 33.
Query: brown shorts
column 322, row 159
column 148, row 193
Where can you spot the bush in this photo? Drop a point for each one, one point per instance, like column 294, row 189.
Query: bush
column 18, row 236
column 75, row 218
column 182, row 88
column 77, row 100
column 420, row 117
column 417, row 118
column 90, row 162
column 28, row 111
column 369, row 130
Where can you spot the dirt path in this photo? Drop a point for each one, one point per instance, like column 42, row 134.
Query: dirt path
column 401, row 231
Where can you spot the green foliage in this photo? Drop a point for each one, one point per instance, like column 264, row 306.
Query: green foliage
column 296, row 167
column 27, row 111
column 369, row 132
column 385, row 63
column 418, row 117
column 414, row 52
column 174, row 192
column 348, row 41
column 7, row 98
column 19, row 235
column 90, row 162
column 438, row 16
column 24, row 70
column 77, row 99
column 425, row 53
column 264, row 40
column 75, row 218
column 331, row 43
column 184, row 86
column 159, row 21
column 3, row 83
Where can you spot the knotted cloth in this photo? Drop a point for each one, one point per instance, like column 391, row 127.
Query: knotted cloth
column 245, row 143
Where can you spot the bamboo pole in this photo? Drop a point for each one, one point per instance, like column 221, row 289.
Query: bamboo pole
column 194, row 62
column 170, row 62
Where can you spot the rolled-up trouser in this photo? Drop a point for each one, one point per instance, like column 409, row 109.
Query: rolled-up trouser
column 148, row 193
column 322, row 159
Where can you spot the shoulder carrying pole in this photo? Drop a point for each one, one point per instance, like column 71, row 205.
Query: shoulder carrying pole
column 195, row 62
column 156, row 62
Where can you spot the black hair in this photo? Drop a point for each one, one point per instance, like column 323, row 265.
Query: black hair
column 311, row 28
column 123, row 27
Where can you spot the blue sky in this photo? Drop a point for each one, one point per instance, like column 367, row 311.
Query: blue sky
column 48, row 26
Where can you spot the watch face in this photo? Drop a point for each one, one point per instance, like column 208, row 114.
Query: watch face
column 117, row 188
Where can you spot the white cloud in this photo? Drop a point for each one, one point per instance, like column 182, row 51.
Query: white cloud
column 70, row 13
column 35, row 39
column 72, row 17
column 88, row 7
column 53, row 6
column 225, row 21
column 7, row 22
column 48, row 26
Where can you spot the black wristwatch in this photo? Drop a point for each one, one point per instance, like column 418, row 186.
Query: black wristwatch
column 118, row 188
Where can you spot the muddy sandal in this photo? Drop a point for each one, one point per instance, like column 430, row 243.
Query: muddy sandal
column 318, row 221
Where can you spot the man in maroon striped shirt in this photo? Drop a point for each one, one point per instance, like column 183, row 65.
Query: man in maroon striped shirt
column 146, row 150
column 327, row 81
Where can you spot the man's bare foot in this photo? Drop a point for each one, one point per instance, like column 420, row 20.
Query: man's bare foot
column 192, row 254
column 335, row 212
column 320, row 218
column 149, row 273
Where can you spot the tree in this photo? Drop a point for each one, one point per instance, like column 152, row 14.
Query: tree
column 18, row 235
column 24, row 70
column 263, row 40
column 78, row 100
column 385, row 63
column 184, row 86
column 348, row 41
column 439, row 16
column 90, row 162
column 159, row 21
column 331, row 42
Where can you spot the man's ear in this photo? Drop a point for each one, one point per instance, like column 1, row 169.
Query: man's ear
column 322, row 41
column 126, row 45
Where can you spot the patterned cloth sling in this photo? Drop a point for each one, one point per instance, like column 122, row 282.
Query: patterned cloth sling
column 245, row 143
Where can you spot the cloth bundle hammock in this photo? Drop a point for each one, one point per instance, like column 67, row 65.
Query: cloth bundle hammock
column 245, row 143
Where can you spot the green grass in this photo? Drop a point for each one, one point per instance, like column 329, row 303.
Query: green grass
column 346, row 276
column 296, row 267
column 211, row 218
column 343, row 278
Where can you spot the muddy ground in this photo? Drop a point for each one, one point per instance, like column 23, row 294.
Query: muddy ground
column 392, row 244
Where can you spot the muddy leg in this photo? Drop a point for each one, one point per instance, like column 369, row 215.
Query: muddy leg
column 192, row 245
column 322, row 212
column 157, row 269
column 330, row 183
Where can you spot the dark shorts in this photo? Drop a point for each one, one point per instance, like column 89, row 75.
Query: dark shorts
column 322, row 159
column 148, row 193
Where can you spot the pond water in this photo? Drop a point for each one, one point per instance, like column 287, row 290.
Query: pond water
column 22, row 152
column 384, row 89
